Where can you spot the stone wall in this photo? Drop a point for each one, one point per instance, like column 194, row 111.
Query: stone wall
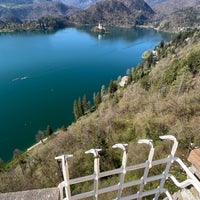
column 40, row 194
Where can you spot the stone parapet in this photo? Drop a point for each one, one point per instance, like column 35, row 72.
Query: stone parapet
column 39, row 194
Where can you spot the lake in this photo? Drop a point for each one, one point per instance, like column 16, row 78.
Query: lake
column 41, row 74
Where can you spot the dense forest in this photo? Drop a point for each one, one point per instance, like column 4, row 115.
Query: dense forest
column 161, row 96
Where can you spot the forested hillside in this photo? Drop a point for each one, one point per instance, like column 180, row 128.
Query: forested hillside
column 32, row 12
column 181, row 19
column 26, row 17
column 173, row 16
column 115, row 12
column 166, row 7
column 82, row 4
column 161, row 97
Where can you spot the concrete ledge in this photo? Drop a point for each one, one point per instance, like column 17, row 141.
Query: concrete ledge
column 40, row 194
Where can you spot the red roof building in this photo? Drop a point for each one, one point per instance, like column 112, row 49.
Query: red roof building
column 194, row 158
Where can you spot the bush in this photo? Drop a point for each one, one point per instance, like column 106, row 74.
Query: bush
column 193, row 62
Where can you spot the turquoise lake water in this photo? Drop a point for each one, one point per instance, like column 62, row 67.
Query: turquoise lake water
column 42, row 73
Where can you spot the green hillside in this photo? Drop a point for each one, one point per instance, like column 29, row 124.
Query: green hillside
column 162, row 97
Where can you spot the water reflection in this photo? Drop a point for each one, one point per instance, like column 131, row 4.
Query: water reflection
column 126, row 34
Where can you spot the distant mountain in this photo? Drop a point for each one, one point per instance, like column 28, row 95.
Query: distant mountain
column 115, row 12
column 155, row 2
column 36, row 11
column 166, row 7
column 16, row 2
column 175, row 15
column 181, row 19
column 22, row 2
column 82, row 4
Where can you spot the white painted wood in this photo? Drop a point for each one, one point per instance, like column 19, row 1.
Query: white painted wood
column 97, row 175
column 123, row 147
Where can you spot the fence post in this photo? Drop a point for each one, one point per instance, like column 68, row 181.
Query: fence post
column 148, row 165
column 123, row 167
column 95, row 152
column 169, row 163
column 65, row 172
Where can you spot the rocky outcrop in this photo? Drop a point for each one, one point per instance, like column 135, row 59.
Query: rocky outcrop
column 186, row 194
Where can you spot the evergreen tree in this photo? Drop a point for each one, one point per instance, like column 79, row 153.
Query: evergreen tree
column 128, row 73
column 85, row 103
column 75, row 110
column 103, row 90
column 49, row 131
column 129, row 79
column 2, row 165
column 112, row 87
column 162, row 44
column 80, row 107
column 17, row 154
column 149, row 59
column 97, row 99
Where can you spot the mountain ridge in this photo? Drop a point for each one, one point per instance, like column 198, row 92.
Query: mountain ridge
column 36, row 11
column 80, row 4
column 115, row 12
column 181, row 20
column 166, row 7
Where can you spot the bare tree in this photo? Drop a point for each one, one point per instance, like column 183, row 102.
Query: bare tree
column 40, row 136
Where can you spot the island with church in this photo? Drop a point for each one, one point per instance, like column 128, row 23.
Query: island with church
column 100, row 29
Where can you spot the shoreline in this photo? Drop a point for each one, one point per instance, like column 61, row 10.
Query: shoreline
column 51, row 29
column 40, row 142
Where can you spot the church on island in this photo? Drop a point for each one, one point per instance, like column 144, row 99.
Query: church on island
column 100, row 29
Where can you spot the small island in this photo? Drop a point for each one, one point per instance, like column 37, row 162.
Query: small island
column 100, row 29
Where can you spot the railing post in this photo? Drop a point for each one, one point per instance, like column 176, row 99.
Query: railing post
column 65, row 172
column 64, row 186
column 123, row 167
column 169, row 163
column 95, row 152
column 148, row 165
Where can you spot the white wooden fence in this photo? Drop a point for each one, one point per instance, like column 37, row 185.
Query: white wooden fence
column 64, row 187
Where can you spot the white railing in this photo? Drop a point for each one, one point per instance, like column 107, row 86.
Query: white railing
column 64, row 187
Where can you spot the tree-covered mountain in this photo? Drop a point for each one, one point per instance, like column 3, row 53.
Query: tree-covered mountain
column 166, row 7
column 172, row 15
column 15, row 2
column 112, row 12
column 154, row 2
column 82, row 4
column 36, row 11
column 115, row 12
column 181, row 19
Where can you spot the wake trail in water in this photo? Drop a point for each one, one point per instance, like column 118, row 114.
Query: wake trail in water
column 19, row 78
